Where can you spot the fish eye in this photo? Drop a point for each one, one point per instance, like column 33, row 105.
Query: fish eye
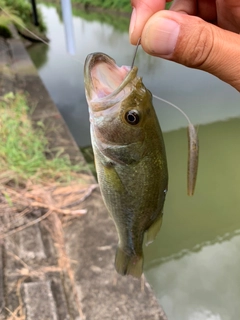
column 132, row 117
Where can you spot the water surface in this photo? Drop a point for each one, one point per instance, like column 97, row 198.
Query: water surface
column 194, row 263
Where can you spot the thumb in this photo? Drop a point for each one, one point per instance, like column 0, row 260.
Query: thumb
column 194, row 43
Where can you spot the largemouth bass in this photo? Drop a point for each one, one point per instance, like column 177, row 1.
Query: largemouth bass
column 129, row 155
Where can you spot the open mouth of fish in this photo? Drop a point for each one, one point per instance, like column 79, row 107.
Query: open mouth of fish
column 105, row 82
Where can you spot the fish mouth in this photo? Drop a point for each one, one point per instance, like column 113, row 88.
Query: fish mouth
column 105, row 82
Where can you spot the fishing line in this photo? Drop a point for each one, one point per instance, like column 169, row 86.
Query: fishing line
column 135, row 53
column 174, row 106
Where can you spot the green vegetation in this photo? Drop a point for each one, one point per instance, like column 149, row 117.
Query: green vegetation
column 18, row 12
column 121, row 23
column 115, row 5
column 39, row 54
column 24, row 151
column 7, row 15
column 123, row 5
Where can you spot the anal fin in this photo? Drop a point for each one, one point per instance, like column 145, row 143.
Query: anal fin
column 153, row 230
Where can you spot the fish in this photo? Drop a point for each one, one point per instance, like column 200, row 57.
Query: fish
column 129, row 155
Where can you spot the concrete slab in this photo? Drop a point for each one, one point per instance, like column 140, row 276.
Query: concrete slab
column 5, row 59
column 21, row 63
column 31, row 244
column 60, row 299
column 39, row 302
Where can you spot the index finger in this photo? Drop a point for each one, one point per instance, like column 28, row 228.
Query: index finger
column 142, row 11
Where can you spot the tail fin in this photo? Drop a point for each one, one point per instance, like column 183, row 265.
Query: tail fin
column 128, row 264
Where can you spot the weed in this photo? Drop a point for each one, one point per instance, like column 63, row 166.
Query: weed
column 18, row 12
column 23, row 148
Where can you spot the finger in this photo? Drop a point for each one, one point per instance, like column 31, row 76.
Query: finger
column 142, row 11
column 194, row 43
column 185, row 6
column 229, row 15
column 205, row 9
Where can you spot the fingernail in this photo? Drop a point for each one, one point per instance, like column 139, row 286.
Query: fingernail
column 132, row 21
column 161, row 36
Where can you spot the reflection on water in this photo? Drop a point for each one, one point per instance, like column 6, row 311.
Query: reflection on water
column 202, row 285
column 39, row 54
column 193, row 264
column 119, row 22
column 214, row 209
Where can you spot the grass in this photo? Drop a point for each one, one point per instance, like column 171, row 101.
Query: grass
column 7, row 16
column 23, row 9
column 18, row 12
column 24, row 151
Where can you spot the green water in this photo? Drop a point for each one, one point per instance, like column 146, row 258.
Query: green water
column 193, row 265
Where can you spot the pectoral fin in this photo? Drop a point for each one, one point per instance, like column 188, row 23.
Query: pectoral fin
column 105, row 168
column 112, row 178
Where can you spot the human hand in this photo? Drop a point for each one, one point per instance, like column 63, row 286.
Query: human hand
column 196, row 33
